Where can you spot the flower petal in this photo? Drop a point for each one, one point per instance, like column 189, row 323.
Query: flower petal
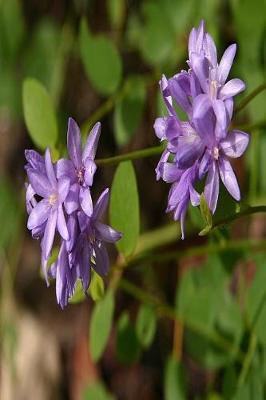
column 231, row 88
column 63, row 189
column 226, row 63
column 39, row 183
column 164, row 158
column 204, row 164
column 49, row 233
column 180, row 96
column 101, row 204
column 101, row 258
column 66, row 168
column 50, row 168
column 170, row 172
column 92, row 142
column 106, row 233
column 189, row 148
column 200, row 67
column 228, row 178
column 235, row 143
column 86, row 201
column 39, row 214
column 211, row 190
column 71, row 202
column 74, row 142
column 90, row 168
column 35, row 160
column 61, row 223
column 210, row 50
column 221, row 119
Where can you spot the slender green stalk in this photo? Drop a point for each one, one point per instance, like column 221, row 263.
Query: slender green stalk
column 133, row 155
column 250, row 97
column 247, row 211
column 247, row 360
column 169, row 312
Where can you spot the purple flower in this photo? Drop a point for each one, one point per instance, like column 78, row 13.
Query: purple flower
column 80, row 169
column 58, row 199
column 201, row 146
column 49, row 210
column 88, row 251
column 211, row 75
column 218, row 147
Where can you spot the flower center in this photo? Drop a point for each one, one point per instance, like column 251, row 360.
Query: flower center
column 80, row 175
column 215, row 153
column 52, row 199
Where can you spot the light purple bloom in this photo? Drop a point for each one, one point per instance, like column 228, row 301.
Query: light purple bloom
column 49, row 210
column 201, row 146
column 58, row 200
column 80, row 169
column 88, row 251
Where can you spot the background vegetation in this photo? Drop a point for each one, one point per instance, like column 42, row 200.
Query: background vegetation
column 176, row 319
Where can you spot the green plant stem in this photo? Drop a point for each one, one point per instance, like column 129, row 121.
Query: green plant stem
column 247, row 360
column 169, row 312
column 133, row 155
column 247, row 211
column 250, row 97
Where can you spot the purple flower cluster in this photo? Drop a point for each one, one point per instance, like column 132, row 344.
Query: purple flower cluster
column 58, row 200
column 201, row 146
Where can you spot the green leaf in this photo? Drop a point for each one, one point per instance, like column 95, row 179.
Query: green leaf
column 79, row 294
column 96, row 391
column 101, row 60
column 146, row 325
column 100, row 325
column 129, row 110
column 127, row 345
column 96, row 288
column 174, row 382
column 39, row 114
column 124, row 207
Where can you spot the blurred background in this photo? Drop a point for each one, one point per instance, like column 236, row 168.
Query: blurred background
column 102, row 60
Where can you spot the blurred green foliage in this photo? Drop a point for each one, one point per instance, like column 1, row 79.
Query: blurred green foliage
column 119, row 59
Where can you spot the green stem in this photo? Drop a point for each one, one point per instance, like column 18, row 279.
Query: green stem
column 169, row 312
column 224, row 221
column 133, row 155
column 247, row 360
column 250, row 97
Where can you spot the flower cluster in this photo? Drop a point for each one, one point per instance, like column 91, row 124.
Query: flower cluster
column 200, row 147
column 58, row 200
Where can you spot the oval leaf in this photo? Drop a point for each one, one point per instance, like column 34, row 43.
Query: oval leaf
column 100, row 326
column 124, row 207
column 39, row 114
column 146, row 325
column 96, row 288
column 101, row 60
column 174, row 383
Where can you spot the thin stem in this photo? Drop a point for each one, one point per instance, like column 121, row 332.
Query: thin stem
column 250, row 97
column 247, row 360
column 247, row 211
column 133, row 155
column 169, row 312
